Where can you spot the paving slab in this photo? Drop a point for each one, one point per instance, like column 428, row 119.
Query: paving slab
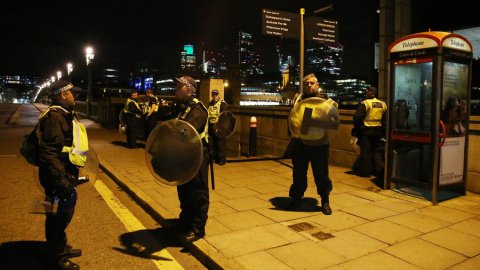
column 463, row 243
column 306, row 255
column 425, row 254
column 386, row 231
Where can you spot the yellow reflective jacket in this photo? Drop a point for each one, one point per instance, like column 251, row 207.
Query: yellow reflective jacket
column 374, row 109
column 77, row 153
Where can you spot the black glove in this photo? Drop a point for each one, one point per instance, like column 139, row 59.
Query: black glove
column 63, row 189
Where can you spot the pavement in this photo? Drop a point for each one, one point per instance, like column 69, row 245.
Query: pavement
column 249, row 228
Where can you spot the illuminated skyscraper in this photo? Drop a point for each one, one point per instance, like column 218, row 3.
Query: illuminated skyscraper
column 249, row 61
column 188, row 58
column 324, row 58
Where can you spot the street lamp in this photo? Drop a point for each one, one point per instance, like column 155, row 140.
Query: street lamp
column 53, row 78
column 59, row 75
column 89, row 56
column 69, row 70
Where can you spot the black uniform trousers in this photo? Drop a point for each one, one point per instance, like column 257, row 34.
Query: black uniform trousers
column 56, row 224
column 217, row 145
column 371, row 160
column 134, row 124
column 150, row 124
column 318, row 157
column 194, row 199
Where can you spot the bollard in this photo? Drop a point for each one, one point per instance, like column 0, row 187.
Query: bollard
column 252, row 144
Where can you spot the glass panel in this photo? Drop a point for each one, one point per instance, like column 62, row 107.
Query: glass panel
column 454, row 117
column 412, row 113
column 413, row 97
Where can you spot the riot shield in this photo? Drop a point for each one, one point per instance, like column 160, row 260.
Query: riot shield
column 174, row 152
column 225, row 125
column 311, row 118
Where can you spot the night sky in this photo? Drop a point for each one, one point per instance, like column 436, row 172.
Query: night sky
column 39, row 37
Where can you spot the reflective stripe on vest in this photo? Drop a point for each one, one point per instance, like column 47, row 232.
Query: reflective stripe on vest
column 374, row 111
column 205, row 130
column 214, row 112
column 126, row 110
column 77, row 153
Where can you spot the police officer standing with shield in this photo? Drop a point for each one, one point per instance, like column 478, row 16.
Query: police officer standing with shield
column 133, row 115
column 63, row 149
column 217, row 106
column 305, row 153
column 193, row 195
column 369, row 122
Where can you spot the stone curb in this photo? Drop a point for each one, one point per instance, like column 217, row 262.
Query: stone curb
column 201, row 249
column 15, row 117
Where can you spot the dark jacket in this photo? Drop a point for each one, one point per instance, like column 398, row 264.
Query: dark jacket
column 56, row 129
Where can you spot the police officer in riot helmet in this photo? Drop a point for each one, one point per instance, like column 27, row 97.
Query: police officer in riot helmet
column 193, row 195
column 61, row 153
column 316, row 155
column 369, row 123
column 133, row 114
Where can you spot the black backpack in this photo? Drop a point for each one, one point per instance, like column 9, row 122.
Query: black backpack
column 30, row 148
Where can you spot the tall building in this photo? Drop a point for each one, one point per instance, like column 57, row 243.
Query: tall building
column 324, row 58
column 249, row 61
column 188, row 58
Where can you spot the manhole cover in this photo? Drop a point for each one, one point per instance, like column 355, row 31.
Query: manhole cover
column 322, row 236
column 301, row 226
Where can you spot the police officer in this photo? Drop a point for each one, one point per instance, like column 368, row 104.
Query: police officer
column 217, row 106
column 133, row 114
column 150, row 112
column 316, row 155
column 193, row 195
column 369, row 122
column 63, row 149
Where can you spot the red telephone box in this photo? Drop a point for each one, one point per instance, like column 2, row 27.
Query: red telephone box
column 428, row 96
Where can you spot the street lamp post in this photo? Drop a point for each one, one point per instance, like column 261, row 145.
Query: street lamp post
column 89, row 55
column 69, row 70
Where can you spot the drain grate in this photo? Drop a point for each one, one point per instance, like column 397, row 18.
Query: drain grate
column 303, row 226
column 322, row 236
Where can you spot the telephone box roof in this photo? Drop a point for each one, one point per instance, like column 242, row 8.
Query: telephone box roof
column 430, row 40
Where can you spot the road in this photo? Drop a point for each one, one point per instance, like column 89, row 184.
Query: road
column 110, row 228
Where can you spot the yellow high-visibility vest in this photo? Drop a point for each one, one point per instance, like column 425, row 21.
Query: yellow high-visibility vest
column 149, row 105
column 203, row 135
column 77, row 153
column 214, row 112
column 374, row 111
column 126, row 110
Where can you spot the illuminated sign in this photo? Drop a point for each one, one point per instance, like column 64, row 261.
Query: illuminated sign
column 188, row 49
column 321, row 30
column 280, row 24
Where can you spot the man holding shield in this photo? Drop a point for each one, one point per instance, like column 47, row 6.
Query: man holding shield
column 193, row 195
column 314, row 152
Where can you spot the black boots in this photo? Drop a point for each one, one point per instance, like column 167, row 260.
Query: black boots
column 326, row 210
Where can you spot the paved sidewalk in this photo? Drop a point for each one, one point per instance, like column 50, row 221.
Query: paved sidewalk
column 248, row 228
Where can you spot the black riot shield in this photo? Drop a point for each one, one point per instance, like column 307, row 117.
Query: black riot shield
column 173, row 152
column 225, row 125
